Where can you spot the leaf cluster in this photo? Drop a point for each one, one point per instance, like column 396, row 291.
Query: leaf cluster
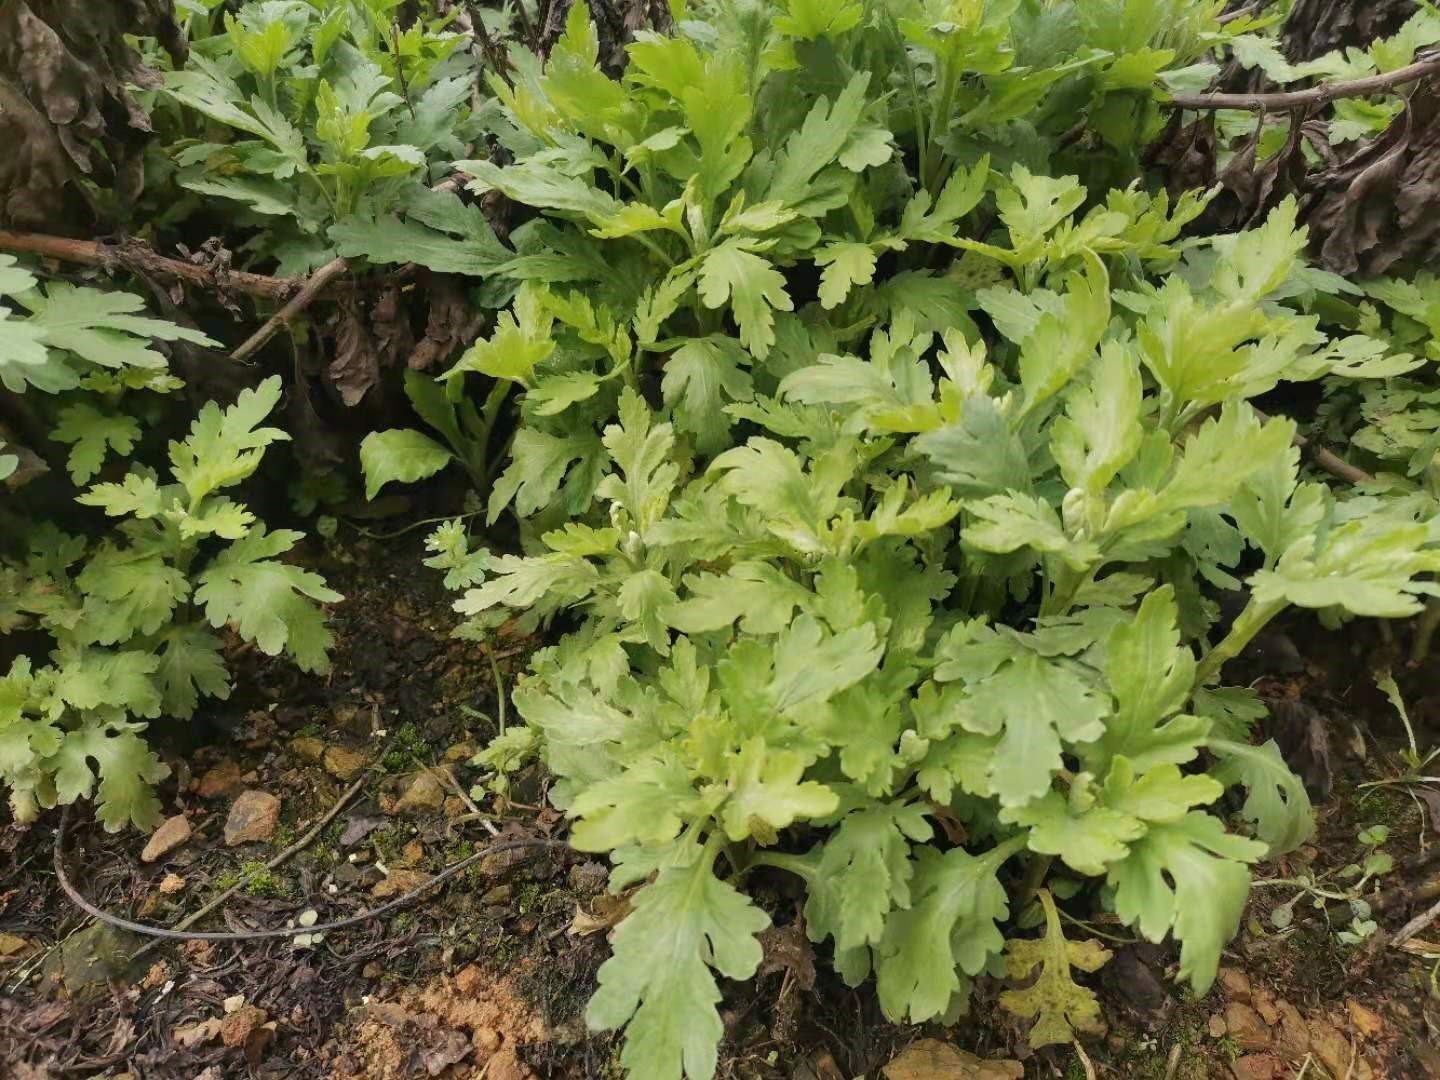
column 885, row 478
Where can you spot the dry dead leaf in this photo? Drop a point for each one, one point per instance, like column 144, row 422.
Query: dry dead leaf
column 788, row 949
column 931, row 1059
column 606, row 911
column 193, row 1035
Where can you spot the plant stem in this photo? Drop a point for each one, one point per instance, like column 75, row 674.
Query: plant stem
column 939, row 124
column 654, row 249
column 1251, row 621
column 493, row 403
column 1035, row 871
column 1425, row 626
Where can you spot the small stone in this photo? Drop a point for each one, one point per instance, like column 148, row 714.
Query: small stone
column 171, row 884
column 1336, row 1052
column 12, row 944
column 425, row 792
column 223, row 779
column 412, row 854
column 1367, row 1021
column 1257, row 1067
column 454, row 807
column 308, row 748
column 343, row 763
column 237, row 1026
column 588, row 878
column 373, row 970
column 500, row 894
column 1247, row 1028
column 398, row 883
column 1216, row 1026
column 1264, row 1003
column 461, row 751
column 928, row 1059
column 469, row 980
column 1294, row 1041
column 1234, row 984
column 171, row 834
column 253, row 817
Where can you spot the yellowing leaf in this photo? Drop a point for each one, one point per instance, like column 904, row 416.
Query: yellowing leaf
column 1054, row 1001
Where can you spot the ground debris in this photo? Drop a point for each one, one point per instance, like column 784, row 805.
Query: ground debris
column 221, row 779
column 173, row 832
column 931, row 1059
column 253, row 817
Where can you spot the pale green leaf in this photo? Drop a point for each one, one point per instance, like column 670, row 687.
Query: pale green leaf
column 399, row 454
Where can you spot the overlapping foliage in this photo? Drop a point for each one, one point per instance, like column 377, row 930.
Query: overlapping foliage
column 129, row 621
column 891, row 476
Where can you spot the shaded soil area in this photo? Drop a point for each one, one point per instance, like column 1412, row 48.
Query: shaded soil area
column 487, row 977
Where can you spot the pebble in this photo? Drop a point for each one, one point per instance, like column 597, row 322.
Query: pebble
column 171, row 834
column 424, row 792
column 1257, row 1067
column 1294, row 1031
column 308, row 748
column 343, row 763
column 1367, row 1021
column 399, row 882
column 223, row 779
column 461, row 751
column 237, row 1026
column 253, row 817
column 1336, row 1052
column 1247, row 1028
column 171, row 884
column 469, row 980
column 1234, row 984
column 10, row 944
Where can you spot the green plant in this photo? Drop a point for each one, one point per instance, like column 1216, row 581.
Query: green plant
column 328, row 119
column 923, row 532
column 128, row 616
column 1374, row 863
column 257, row 879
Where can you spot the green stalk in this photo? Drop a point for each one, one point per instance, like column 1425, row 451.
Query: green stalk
column 1066, row 583
column 654, row 249
column 939, row 122
column 1251, row 621
column 494, row 402
column 1036, row 870
column 1425, row 626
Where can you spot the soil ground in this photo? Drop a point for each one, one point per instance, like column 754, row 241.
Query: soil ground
column 487, row 978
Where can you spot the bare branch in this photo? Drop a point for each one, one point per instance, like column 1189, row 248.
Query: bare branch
column 1328, row 460
column 135, row 255
column 1316, row 95
column 303, row 299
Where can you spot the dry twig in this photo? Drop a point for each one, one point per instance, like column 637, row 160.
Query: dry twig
column 1328, row 460
column 1315, row 95
column 274, row 863
column 317, row 284
column 135, row 255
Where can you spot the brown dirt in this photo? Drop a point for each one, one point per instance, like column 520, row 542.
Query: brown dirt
column 485, row 979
